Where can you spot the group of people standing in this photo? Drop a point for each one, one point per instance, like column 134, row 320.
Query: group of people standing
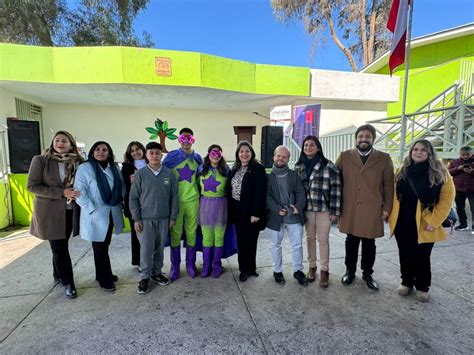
column 172, row 198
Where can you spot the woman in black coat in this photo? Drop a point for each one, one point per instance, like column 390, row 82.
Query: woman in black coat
column 247, row 194
column 134, row 159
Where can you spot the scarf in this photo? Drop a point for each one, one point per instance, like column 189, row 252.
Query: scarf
column 282, row 183
column 419, row 175
column 309, row 165
column 110, row 197
column 71, row 162
column 280, row 171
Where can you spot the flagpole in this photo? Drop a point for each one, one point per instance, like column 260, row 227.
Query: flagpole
column 403, row 132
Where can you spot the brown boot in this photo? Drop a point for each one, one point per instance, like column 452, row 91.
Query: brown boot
column 311, row 276
column 324, row 279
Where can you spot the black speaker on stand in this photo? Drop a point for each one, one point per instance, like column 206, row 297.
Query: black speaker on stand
column 23, row 144
column 272, row 137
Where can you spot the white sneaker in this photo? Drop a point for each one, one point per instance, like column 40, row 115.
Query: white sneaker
column 422, row 296
column 404, row 290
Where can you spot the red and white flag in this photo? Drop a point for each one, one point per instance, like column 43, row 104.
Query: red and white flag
column 397, row 24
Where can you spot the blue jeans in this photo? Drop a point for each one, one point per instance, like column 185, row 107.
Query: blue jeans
column 295, row 234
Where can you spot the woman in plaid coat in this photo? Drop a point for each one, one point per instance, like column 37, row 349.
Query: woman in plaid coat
column 323, row 186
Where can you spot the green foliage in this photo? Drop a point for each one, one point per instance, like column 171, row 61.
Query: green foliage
column 40, row 22
column 107, row 23
column 161, row 127
column 60, row 23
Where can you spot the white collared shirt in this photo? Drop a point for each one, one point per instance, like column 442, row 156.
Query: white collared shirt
column 156, row 172
column 364, row 154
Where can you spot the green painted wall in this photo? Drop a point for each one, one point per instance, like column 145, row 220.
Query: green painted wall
column 103, row 65
column 25, row 63
column 138, row 65
column 433, row 68
column 222, row 73
column 5, row 204
column 22, row 202
column 278, row 80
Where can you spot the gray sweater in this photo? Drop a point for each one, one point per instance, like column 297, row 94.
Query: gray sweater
column 296, row 188
column 154, row 197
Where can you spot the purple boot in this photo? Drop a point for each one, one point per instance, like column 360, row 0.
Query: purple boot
column 206, row 261
column 191, row 261
column 216, row 262
column 175, row 257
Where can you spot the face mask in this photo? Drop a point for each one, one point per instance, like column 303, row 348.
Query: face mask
column 215, row 154
column 186, row 138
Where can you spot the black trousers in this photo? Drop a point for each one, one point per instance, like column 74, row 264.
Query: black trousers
column 62, row 266
column 134, row 243
column 368, row 254
column 103, row 269
column 247, row 238
column 461, row 206
column 415, row 265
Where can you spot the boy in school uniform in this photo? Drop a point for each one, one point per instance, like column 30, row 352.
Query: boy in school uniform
column 154, row 208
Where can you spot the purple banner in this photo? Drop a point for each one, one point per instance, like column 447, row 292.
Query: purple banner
column 306, row 120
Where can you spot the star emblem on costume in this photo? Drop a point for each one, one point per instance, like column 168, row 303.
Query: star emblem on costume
column 210, row 184
column 185, row 173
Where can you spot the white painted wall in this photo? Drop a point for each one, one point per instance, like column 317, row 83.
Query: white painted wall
column 120, row 125
column 350, row 86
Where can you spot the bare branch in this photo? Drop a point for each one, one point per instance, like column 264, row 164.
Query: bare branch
column 336, row 40
column 370, row 50
column 363, row 31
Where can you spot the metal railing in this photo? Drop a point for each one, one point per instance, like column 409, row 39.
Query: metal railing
column 467, row 76
column 3, row 156
column 447, row 121
column 295, row 149
column 334, row 145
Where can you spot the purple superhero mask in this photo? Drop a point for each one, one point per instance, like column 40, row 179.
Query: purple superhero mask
column 186, row 138
column 215, row 153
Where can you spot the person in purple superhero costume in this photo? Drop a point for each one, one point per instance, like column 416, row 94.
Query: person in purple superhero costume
column 185, row 163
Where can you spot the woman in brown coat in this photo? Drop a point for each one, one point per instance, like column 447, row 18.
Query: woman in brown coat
column 55, row 213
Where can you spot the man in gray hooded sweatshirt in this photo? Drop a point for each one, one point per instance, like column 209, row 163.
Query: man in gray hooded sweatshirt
column 286, row 199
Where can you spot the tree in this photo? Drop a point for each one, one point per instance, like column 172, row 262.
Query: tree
column 162, row 131
column 357, row 27
column 107, row 23
column 32, row 22
column 53, row 23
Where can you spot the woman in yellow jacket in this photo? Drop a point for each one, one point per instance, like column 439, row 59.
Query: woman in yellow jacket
column 424, row 193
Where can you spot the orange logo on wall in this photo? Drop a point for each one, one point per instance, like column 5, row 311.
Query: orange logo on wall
column 163, row 66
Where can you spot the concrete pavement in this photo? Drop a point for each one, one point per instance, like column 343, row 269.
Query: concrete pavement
column 226, row 316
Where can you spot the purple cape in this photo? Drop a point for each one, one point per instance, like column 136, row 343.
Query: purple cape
column 177, row 156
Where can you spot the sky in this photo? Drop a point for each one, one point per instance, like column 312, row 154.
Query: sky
column 248, row 30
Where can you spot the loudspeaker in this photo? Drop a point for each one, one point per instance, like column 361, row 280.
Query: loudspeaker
column 272, row 137
column 23, row 144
